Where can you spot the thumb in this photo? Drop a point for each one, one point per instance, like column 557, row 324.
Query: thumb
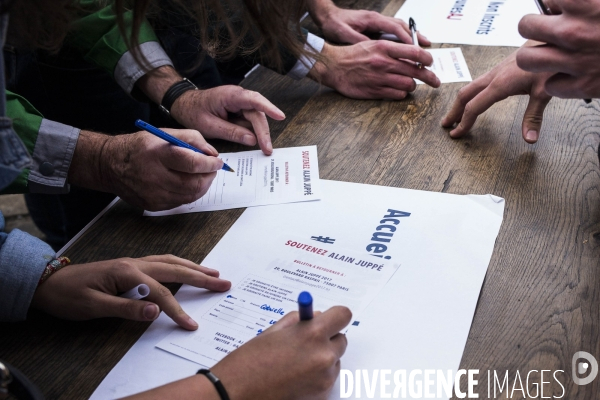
column 534, row 116
column 107, row 305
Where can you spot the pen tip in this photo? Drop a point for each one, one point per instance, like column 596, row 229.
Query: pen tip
column 228, row 168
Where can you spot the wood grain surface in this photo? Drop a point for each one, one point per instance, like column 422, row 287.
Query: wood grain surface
column 541, row 300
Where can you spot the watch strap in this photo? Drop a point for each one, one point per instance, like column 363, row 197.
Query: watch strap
column 216, row 382
column 174, row 92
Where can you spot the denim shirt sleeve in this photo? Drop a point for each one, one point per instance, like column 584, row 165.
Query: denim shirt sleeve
column 13, row 153
column 23, row 258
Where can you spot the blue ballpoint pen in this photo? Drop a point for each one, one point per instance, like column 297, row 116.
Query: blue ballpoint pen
column 305, row 308
column 172, row 139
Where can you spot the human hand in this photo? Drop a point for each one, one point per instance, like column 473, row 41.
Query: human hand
column 148, row 172
column 291, row 360
column 571, row 56
column 377, row 69
column 348, row 26
column 295, row 359
column 207, row 111
column 88, row 291
column 505, row 80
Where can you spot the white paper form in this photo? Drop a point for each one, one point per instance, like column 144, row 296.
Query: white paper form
column 449, row 65
column 474, row 22
column 419, row 320
column 286, row 176
column 262, row 298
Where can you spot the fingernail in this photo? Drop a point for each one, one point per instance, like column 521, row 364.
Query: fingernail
column 269, row 147
column 192, row 322
column 531, row 135
column 248, row 140
column 151, row 312
column 212, row 148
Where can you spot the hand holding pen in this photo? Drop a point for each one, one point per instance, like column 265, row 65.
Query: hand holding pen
column 415, row 37
column 173, row 140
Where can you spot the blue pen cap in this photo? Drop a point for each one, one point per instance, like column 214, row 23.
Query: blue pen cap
column 304, row 299
column 305, row 308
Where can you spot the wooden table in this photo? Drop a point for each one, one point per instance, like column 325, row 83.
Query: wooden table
column 541, row 299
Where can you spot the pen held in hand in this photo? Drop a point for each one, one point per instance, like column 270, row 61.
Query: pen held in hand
column 305, row 308
column 137, row 293
column 415, row 37
column 172, row 139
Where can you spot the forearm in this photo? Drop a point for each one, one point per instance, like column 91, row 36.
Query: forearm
column 156, row 82
column 195, row 387
column 319, row 10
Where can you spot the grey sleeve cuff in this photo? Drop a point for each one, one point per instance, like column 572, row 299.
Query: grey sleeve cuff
column 52, row 155
column 23, row 258
column 305, row 64
column 128, row 71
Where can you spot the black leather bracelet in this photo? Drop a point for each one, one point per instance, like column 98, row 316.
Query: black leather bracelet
column 174, row 93
column 216, row 382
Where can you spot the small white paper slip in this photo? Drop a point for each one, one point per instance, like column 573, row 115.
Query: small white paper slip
column 449, row 65
column 474, row 22
column 289, row 175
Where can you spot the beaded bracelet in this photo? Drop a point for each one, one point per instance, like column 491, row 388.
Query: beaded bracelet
column 54, row 266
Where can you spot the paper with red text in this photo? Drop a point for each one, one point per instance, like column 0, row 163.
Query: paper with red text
column 288, row 175
column 449, row 65
column 474, row 22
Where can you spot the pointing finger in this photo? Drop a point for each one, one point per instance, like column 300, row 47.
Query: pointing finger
column 261, row 129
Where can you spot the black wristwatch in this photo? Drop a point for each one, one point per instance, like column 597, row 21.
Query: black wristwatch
column 174, row 93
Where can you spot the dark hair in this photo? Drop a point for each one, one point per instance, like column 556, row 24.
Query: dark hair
column 224, row 27
column 229, row 27
column 39, row 24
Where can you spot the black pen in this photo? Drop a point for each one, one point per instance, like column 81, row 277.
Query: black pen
column 413, row 30
column 544, row 9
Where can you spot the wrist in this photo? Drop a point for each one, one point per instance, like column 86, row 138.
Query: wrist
column 204, row 388
column 156, row 82
column 321, row 10
column 321, row 70
column 88, row 165
column 182, row 89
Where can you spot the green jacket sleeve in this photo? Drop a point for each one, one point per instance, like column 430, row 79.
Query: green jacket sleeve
column 51, row 145
column 97, row 37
